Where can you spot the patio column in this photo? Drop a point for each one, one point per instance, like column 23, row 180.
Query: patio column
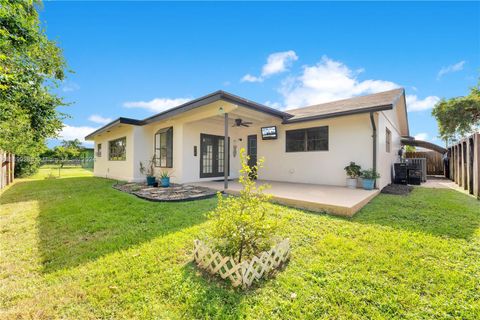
column 225, row 155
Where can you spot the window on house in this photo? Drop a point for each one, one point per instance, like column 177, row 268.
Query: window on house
column 164, row 148
column 117, row 149
column 310, row 139
column 388, row 139
column 99, row 150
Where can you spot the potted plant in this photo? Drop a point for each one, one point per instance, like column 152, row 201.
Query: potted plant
column 353, row 172
column 147, row 169
column 369, row 177
column 165, row 179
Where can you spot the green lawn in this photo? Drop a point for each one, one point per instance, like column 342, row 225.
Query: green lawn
column 76, row 248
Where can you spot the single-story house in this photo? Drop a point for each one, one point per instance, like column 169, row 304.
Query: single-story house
column 306, row 145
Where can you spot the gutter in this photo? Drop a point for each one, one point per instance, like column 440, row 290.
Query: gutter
column 374, row 143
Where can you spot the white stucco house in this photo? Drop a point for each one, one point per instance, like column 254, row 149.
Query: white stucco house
column 306, row 145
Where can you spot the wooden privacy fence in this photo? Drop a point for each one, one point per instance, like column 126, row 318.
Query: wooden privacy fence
column 243, row 273
column 7, row 163
column 434, row 161
column 464, row 163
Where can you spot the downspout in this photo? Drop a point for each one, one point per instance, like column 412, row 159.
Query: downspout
column 374, row 143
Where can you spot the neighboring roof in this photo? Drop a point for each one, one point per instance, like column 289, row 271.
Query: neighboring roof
column 364, row 104
column 372, row 102
column 410, row 141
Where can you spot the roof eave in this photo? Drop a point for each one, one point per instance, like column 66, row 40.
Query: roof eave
column 213, row 97
column 112, row 124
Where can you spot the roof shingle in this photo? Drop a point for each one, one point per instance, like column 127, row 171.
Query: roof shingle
column 347, row 106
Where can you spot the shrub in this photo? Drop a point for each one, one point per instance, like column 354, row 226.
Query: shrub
column 353, row 170
column 26, row 165
column 370, row 174
column 243, row 226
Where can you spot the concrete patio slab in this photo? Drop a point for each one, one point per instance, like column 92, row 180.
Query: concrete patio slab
column 320, row 198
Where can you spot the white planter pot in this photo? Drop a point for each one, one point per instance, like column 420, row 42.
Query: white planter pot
column 352, row 183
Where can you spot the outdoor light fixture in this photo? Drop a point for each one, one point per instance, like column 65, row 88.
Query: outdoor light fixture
column 221, row 110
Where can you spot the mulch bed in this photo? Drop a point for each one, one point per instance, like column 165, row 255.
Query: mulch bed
column 176, row 192
column 397, row 189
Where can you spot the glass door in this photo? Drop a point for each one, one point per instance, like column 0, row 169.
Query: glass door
column 211, row 156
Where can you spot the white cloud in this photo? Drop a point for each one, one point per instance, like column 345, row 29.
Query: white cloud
column 421, row 136
column 70, row 86
column 326, row 81
column 249, row 78
column 416, row 104
column 451, row 68
column 157, row 104
column 73, row 132
column 99, row 119
column 277, row 62
column 275, row 105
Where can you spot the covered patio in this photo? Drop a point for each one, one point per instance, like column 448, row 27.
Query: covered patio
column 320, row 198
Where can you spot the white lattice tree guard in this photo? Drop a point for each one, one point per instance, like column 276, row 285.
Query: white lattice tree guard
column 241, row 273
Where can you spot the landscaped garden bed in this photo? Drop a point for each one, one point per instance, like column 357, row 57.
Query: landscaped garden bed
column 397, row 189
column 175, row 192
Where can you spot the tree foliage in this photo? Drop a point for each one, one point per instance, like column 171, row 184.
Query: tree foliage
column 458, row 116
column 243, row 226
column 31, row 66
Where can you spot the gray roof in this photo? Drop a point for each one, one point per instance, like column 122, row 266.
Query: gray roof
column 372, row 102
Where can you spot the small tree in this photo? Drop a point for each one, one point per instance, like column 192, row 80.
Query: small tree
column 65, row 152
column 243, row 226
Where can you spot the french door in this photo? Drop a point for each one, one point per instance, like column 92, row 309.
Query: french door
column 212, row 155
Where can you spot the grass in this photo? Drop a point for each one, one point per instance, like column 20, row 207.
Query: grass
column 76, row 248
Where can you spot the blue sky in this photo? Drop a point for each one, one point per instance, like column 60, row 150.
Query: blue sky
column 136, row 58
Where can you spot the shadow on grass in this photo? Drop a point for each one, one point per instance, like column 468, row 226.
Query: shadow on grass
column 439, row 212
column 215, row 297
column 82, row 219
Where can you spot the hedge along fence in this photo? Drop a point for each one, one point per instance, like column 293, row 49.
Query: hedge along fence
column 243, row 273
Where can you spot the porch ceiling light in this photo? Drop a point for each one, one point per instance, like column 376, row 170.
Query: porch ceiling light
column 221, row 110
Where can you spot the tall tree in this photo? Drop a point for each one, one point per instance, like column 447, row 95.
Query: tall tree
column 74, row 144
column 31, row 65
column 459, row 116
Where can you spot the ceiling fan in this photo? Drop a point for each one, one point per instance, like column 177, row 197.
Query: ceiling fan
column 239, row 122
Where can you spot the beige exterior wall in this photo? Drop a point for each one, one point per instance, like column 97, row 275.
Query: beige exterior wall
column 120, row 170
column 191, row 138
column 350, row 139
column 387, row 120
